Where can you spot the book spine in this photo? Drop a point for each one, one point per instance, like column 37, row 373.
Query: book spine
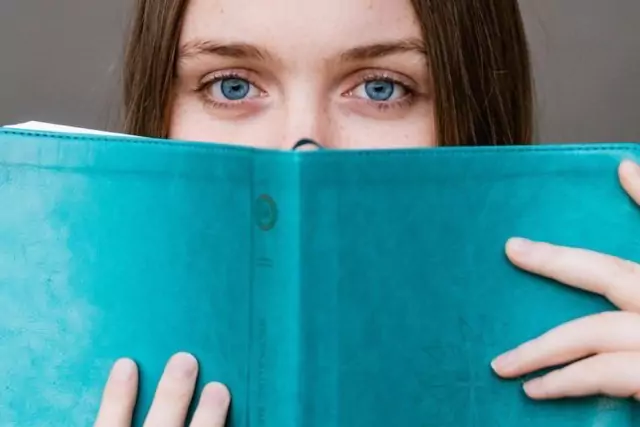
column 274, row 337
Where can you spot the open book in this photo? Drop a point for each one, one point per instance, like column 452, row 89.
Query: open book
column 324, row 288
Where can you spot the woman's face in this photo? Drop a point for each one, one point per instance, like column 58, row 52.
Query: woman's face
column 348, row 74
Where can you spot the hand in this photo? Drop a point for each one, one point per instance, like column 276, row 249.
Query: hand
column 601, row 352
column 171, row 401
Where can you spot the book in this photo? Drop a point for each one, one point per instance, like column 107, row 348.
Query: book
column 325, row 288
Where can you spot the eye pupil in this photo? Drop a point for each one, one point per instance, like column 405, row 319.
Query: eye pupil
column 234, row 89
column 379, row 90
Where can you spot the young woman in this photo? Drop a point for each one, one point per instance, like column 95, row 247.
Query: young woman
column 365, row 74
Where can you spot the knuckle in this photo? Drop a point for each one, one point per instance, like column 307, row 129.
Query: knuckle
column 612, row 319
column 617, row 323
column 177, row 393
column 622, row 287
column 626, row 268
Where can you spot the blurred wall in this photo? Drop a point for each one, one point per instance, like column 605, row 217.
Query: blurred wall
column 60, row 63
column 587, row 67
column 59, row 60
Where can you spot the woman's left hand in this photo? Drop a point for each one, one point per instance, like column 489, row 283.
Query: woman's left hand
column 601, row 353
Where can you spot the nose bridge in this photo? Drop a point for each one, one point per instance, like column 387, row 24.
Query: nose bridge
column 306, row 117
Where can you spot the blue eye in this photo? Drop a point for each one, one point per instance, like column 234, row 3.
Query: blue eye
column 230, row 90
column 234, row 89
column 379, row 90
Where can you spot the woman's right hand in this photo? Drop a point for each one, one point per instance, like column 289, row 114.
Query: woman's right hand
column 171, row 401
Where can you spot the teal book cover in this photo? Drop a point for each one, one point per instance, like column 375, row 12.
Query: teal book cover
column 324, row 288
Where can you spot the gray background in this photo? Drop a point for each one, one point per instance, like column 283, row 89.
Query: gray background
column 60, row 63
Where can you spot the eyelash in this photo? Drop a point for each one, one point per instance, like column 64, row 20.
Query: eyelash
column 205, row 87
column 405, row 101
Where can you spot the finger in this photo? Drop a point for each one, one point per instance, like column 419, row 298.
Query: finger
column 616, row 279
column 600, row 333
column 610, row 374
column 175, row 391
column 629, row 174
column 119, row 396
column 213, row 407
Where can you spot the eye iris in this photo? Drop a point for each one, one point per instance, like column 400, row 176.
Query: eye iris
column 379, row 90
column 234, row 89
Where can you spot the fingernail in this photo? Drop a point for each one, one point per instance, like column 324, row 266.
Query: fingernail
column 182, row 365
column 534, row 388
column 633, row 167
column 519, row 245
column 216, row 395
column 505, row 362
column 124, row 370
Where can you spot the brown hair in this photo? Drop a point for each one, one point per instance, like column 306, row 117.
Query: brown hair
column 477, row 51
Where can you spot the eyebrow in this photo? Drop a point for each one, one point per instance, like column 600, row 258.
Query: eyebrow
column 248, row 51
column 232, row 50
column 379, row 50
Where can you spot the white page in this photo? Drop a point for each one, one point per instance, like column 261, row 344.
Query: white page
column 51, row 127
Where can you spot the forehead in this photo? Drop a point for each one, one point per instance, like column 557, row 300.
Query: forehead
column 295, row 24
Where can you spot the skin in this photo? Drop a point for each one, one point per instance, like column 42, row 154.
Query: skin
column 302, row 86
column 307, row 81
